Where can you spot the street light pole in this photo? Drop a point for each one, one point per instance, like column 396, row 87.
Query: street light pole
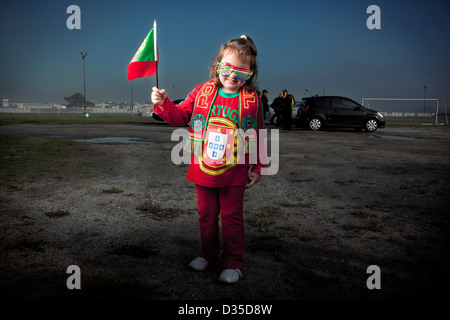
column 84, row 54
column 424, row 97
column 131, row 83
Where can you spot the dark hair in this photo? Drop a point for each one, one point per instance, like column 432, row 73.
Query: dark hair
column 245, row 48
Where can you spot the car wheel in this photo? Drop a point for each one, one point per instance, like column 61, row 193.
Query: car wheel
column 315, row 124
column 371, row 125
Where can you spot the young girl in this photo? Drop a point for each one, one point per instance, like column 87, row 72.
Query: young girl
column 225, row 116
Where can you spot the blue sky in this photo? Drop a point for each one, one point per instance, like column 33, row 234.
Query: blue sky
column 319, row 45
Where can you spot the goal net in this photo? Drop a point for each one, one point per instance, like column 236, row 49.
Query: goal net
column 424, row 109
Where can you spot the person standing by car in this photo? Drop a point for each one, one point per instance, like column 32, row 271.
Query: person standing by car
column 265, row 103
column 288, row 104
column 277, row 105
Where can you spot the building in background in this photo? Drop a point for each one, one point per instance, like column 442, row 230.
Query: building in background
column 4, row 103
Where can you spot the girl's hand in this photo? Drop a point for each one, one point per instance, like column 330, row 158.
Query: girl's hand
column 253, row 178
column 158, row 96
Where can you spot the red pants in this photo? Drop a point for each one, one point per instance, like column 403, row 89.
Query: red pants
column 229, row 202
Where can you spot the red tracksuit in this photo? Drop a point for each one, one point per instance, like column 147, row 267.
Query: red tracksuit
column 217, row 193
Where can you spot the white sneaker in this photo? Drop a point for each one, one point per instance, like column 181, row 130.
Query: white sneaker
column 199, row 264
column 230, row 275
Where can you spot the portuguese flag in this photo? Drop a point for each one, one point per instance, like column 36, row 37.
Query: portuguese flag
column 145, row 60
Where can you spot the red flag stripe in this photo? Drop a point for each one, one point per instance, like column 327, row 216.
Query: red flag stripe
column 139, row 69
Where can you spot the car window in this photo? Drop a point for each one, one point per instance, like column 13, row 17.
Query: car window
column 321, row 103
column 344, row 103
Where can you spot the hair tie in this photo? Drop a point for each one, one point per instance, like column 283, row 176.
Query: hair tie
column 244, row 37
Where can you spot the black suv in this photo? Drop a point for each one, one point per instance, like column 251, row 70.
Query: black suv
column 332, row 111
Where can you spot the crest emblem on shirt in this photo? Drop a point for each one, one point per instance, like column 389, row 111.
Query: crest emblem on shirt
column 219, row 147
column 248, row 122
column 216, row 145
column 198, row 122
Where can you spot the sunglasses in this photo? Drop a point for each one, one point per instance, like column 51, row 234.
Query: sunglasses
column 225, row 69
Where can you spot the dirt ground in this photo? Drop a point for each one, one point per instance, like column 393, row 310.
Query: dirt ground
column 126, row 216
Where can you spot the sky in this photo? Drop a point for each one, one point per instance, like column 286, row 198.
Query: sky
column 324, row 46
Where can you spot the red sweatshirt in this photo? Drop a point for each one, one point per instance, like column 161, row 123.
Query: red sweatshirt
column 224, row 111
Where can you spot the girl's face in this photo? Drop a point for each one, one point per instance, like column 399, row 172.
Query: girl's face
column 230, row 83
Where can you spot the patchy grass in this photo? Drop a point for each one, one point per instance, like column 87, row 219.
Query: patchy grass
column 32, row 157
column 57, row 213
column 415, row 122
column 288, row 205
column 149, row 207
column 346, row 182
column 70, row 119
column 264, row 219
column 113, row 190
column 298, row 180
column 156, row 212
column 306, row 205
column 28, row 159
column 360, row 213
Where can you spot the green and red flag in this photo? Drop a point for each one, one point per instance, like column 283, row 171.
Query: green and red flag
column 145, row 60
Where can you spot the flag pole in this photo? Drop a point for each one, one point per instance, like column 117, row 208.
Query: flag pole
column 156, row 55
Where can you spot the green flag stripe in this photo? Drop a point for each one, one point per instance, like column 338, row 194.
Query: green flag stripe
column 146, row 51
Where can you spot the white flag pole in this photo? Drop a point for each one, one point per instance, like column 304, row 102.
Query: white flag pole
column 156, row 53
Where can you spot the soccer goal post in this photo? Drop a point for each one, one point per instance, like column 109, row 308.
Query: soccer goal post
column 401, row 99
